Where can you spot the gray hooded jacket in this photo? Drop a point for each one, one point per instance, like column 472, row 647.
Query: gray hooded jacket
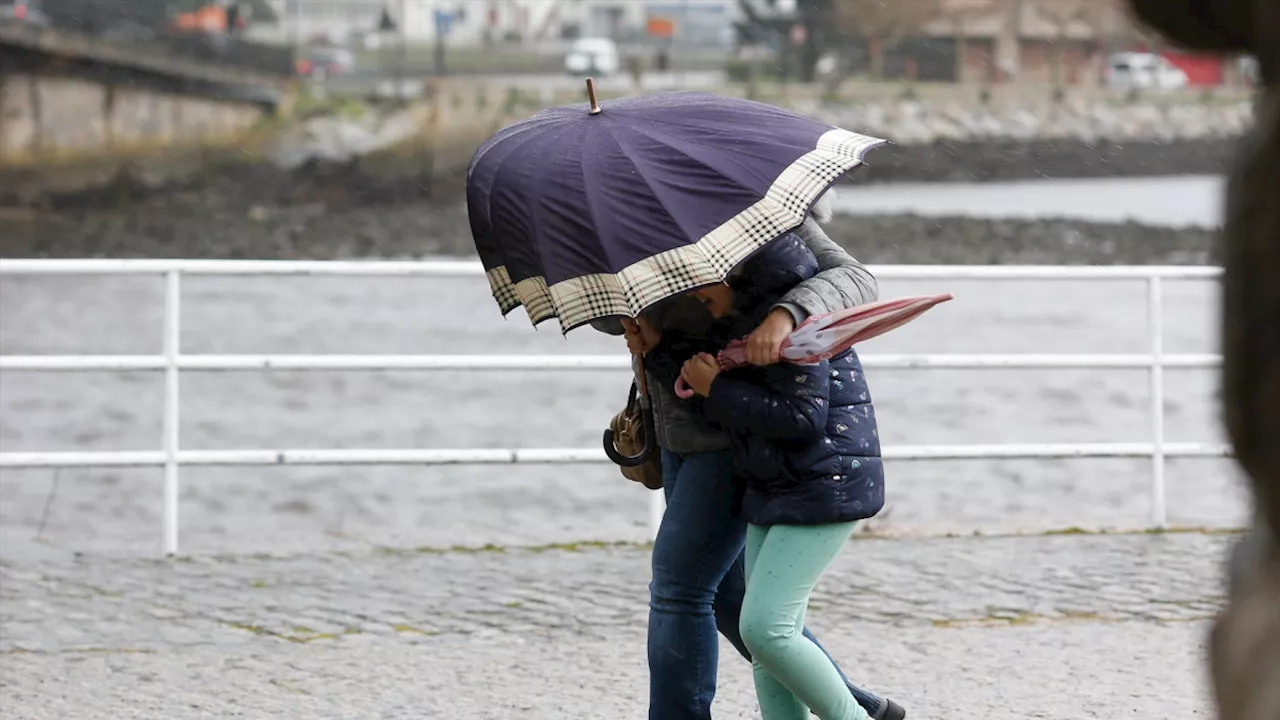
column 842, row 282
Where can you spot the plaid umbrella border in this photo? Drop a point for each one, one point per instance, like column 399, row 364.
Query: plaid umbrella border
column 580, row 300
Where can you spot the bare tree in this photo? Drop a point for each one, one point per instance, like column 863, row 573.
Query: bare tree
column 883, row 23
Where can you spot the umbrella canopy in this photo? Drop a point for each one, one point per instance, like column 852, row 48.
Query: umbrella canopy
column 822, row 337
column 582, row 214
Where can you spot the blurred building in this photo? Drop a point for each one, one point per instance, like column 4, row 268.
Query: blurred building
column 479, row 22
column 1003, row 40
column 996, row 41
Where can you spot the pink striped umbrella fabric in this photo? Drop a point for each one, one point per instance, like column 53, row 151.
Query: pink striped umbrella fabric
column 823, row 337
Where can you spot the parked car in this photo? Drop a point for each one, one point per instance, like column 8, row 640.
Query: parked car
column 1247, row 66
column 592, row 56
column 320, row 63
column 22, row 11
column 1143, row 71
column 125, row 29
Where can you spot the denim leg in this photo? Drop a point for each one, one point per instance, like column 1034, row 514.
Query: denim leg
column 728, row 605
column 698, row 542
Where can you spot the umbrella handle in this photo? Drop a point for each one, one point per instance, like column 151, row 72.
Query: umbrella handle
column 640, row 458
column 626, row 460
column 646, row 420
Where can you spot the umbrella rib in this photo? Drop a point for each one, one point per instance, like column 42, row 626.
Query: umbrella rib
column 719, row 150
column 497, row 172
column 647, row 183
column 513, row 131
column 588, row 189
column 802, row 148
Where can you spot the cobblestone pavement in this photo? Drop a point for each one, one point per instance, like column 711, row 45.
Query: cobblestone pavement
column 1060, row 627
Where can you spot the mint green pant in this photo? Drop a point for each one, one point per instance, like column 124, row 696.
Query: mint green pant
column 792, row 675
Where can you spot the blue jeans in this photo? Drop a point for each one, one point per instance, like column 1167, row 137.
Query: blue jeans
column 698, row 586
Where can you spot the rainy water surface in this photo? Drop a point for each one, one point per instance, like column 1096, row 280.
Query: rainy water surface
column 296, row 508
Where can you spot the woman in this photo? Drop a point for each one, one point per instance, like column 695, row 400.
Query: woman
column 698, row 563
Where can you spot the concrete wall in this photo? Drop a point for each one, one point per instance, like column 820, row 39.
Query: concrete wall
column 46, row 117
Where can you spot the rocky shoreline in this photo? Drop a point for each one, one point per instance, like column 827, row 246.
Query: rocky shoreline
column 1025, row 115
column 1009, row 159
column 190, row 227
column 384, row 155
column 413, row 177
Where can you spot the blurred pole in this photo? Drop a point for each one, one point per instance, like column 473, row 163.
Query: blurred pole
column 441, row 33
column 682, row 42
column 404, row 49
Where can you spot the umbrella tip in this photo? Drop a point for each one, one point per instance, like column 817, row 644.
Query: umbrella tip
column 591, row 95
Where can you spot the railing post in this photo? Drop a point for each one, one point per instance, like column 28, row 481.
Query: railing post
column 1155, row 326
column 657, row 506
column 172, row 348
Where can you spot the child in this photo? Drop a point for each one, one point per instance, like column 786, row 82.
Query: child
column 807, row 453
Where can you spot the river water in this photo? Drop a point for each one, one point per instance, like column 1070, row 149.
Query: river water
column 1175, row 201
column 283, row 509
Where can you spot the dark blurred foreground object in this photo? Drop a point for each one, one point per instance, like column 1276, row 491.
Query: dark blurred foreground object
column 1245, row 647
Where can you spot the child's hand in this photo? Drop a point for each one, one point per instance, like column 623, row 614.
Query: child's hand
column 699, row 372
column 764, row 344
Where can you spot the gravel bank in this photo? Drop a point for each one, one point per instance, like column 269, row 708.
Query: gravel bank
column 191, row 226
column 1026, row 115
column 1009, row 159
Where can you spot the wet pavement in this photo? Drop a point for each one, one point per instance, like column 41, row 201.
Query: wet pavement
column 1055, row 627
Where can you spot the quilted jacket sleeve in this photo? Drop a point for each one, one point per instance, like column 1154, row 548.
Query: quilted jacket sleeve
column 841, row 283
column 792, row 405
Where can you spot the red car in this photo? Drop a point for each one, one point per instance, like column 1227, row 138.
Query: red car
column 323, row 63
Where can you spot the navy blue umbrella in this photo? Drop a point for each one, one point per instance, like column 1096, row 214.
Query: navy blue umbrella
column 586, row 213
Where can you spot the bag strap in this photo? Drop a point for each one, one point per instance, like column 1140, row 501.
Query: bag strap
column 641, row 376
column 631, row 397
column 639, row 386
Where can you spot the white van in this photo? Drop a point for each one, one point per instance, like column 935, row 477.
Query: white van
column 592, row 56
column 1143, row 71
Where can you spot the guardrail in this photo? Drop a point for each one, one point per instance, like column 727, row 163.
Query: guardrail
column 172, row 361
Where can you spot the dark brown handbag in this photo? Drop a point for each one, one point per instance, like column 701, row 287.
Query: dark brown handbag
column 630, row 441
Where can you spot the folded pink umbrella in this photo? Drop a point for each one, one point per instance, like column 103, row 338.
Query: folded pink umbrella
column 822, row 337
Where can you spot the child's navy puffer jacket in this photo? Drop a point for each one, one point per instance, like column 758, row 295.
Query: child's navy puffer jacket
column 805, row 441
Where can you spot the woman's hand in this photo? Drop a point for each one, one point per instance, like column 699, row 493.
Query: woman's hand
column 641, row 335
column 764, row 344
column 699, row 372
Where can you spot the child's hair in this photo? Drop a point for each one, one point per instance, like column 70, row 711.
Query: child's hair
column 681, row 312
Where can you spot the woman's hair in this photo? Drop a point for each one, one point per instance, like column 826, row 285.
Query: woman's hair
column 822, row 209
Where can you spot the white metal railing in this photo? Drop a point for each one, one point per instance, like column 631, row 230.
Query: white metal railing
column 172, row 361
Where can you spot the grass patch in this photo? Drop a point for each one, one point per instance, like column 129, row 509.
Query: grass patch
column 296, row 634
column 583, row 546
column 412, row 630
